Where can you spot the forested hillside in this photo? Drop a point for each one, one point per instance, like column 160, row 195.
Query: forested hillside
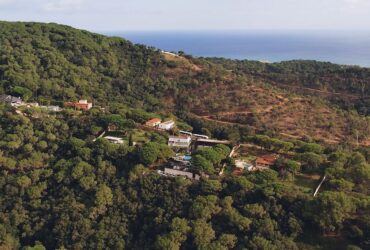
column 64, row 185
column 53, row 63
column 60, row 63
column 56, row 63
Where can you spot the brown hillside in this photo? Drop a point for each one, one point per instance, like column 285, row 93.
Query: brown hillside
column 267, row 108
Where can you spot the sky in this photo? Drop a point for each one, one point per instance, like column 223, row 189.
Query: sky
column 156, row 15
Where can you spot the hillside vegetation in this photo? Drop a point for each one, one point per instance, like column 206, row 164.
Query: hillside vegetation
column 64, row 185
column 53, row 63
column 347, row 86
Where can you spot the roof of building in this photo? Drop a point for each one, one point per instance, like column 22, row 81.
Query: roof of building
column 202, row 136
column 267, row 159
column 113, row 138
column 242, row 164
column 178, row 172
column 154, row 120
column 213, row 141
column 185, row 132
column 168, row 122
column 179, row 137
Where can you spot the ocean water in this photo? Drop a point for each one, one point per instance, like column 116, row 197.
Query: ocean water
column 342, row 47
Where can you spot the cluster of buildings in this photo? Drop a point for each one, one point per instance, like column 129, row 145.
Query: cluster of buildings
column 178, row 166
column 181, row 166
column 157, row 123
column 17, row 102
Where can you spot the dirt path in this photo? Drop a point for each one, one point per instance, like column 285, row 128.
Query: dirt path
column 268, row 109
column 315, row 90
column 208, row 118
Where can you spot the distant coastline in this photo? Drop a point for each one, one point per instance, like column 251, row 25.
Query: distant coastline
column 348, row 48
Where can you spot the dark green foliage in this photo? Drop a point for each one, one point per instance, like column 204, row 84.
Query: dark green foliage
column 202, row 164
column 60, row 63
column 206, row 159
column 152, row 151
column 311, row 161
column 330, row 210
column 24, row 93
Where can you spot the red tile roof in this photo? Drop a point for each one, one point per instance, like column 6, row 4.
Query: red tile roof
column 266, row 160
column 153, row 121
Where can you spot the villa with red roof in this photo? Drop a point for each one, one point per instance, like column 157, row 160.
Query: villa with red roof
column 153, row 122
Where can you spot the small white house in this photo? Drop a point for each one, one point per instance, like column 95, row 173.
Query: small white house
column 168, row 125
column 115, row 140
column 242, row 165
column 54, row 108
column 179, row 141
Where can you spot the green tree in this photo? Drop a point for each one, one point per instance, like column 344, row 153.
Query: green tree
column 202, row 164
column 203, row 234
column 204, row 207
column 149, row 153
column 24, row 93
column 330, row 209
column 177, row 235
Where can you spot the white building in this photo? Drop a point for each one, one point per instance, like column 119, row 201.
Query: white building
column 174, row 172
column 179, row 141
column 242, row 165
column 168, row 125
column 115, row 140
column 52, row 108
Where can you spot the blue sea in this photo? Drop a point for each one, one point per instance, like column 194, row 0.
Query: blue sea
column 342, row 47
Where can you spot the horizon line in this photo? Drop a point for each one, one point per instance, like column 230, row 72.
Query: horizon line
column 235, row 30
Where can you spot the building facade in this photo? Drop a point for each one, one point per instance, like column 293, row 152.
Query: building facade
column 179, row 141
column 81, row 104
column 168, row 125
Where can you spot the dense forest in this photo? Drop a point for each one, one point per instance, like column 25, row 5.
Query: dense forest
column 63, row 187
